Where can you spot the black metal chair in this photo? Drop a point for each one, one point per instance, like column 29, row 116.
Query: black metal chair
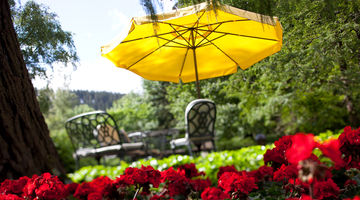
column 96, row 134
column 200, row 116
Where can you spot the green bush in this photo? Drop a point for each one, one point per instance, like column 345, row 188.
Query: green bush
column 248, row 158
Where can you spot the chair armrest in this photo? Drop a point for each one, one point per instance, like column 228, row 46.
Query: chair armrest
column 136, row 134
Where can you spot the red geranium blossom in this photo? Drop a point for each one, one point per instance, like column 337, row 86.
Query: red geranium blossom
column 350, row 182
column 13, row 186
column 355, row 198
column 235, row 182
column 158, row 197
column 70, row 188
column 226, row 169
column 286, row 173
column 176, row 182
column 190, row 170
column 95, row 196
column 264, row 173
column 276, row 156
column 45, row 186
column 350, row 147
column 141, row 178
column 326, row 189
column 83, row 190
column 199, row 185
column 303, row 197
column 301, row 148
column 212, row 193
column 331, row 150
column 10, row 197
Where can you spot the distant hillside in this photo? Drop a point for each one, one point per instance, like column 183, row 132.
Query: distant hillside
column 97, row 100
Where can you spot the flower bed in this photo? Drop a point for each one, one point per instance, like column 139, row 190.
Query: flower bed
column 291, row 171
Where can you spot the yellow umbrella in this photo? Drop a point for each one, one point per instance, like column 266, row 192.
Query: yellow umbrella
column 195, row 43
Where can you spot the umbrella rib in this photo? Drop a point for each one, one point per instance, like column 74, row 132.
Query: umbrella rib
column 151, row 53
column 181, row 35
column 208, row 43
column 153, row 36
column 223, row 22
column 174, row 41
column 199, row 44
column 249, row 36
column 176, row 46
column 182, row 66
column 182, row 26
column 220, row 49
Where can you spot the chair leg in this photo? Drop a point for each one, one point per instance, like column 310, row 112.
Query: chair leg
column 77, row 163
column 189, row 148
column 213, row 143
column 98, row 159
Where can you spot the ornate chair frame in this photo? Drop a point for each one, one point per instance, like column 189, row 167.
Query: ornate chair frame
column 96, row 134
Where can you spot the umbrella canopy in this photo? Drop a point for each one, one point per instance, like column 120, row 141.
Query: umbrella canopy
column 195, row 43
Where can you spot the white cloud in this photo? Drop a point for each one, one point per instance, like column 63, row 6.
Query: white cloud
column 97, row 75
column 119, row 19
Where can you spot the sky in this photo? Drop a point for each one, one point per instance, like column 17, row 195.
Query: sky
column 94, row 23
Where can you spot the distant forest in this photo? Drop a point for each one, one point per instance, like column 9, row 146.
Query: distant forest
column 97, row 100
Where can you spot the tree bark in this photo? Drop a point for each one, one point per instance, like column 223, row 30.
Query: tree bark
column 25, row 144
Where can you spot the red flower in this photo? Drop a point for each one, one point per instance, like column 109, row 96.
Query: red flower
column 355, row 198
column 235, row 182
column 350, row 182
column 13, row 186
column 286, row 173
column 301, row 148
column 303, row 197
column 83, row 190
column 331, row 150
column 136, row 175
column 102, row 185
column 45, row 186
column 142, row 177
column 276, row 156
column 296, row 186
column 263, row 173
column 199, row 185
column 350, row 147
column 284, row 142
column 95, row 196
column 10, row 197
column 326, row 189
column 70, row 188
column 212, row 193
column 226, row 169
column 153, row 176
column 176, row 182
column 158, row 197
column 190, row 170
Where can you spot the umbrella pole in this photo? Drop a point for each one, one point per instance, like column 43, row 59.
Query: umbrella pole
column 195, row 63
column 196, row 74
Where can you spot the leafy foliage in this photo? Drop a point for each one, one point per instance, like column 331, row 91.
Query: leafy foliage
column 42, row 40
column 156, row 94
column 99, row 100
column 133, row 113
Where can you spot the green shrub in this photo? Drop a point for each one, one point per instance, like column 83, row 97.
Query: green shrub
column 248, row 158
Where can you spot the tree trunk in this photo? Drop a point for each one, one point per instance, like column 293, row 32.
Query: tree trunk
column 25, row 144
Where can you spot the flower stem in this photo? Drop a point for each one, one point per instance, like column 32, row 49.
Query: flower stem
column 311, row 190
column 137, row 191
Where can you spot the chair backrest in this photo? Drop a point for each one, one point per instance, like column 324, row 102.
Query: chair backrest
column 93, row 129
column 200, row 116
